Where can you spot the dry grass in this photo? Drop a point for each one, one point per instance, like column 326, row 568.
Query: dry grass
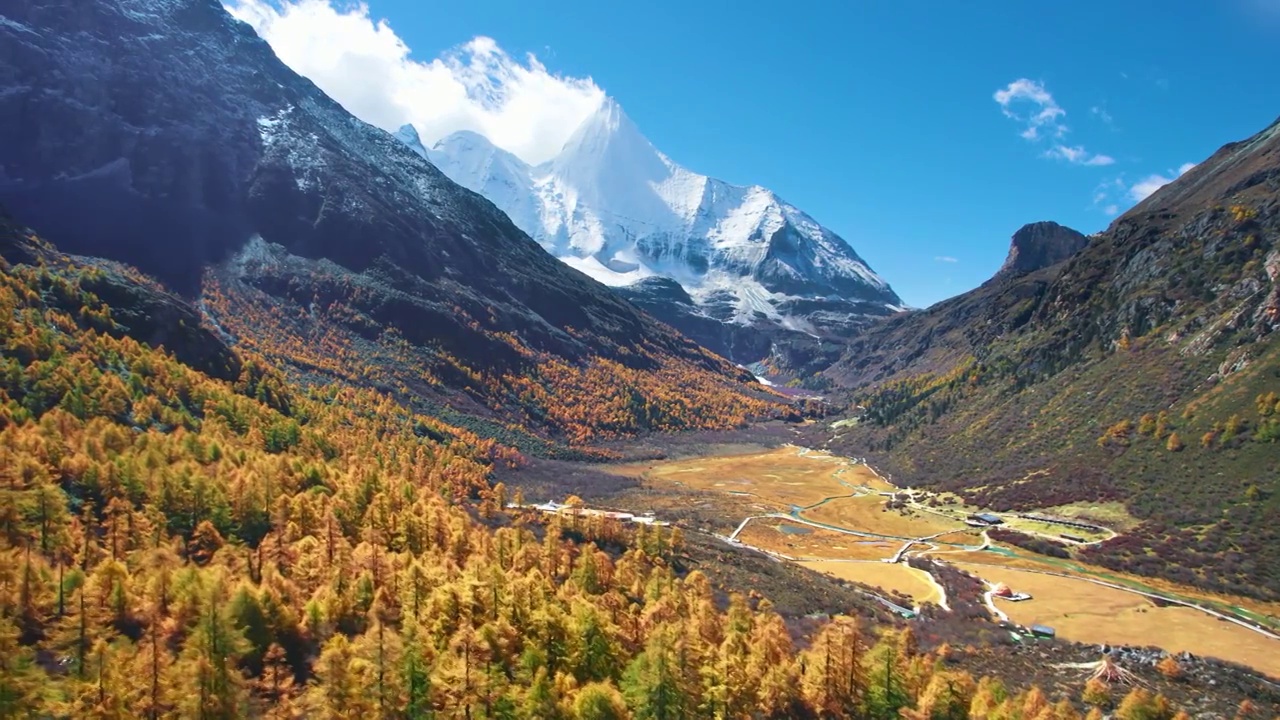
column 765, row 533
column 782, row 477
column 1052, row 530
column 777, row 480
column 1089, row 613
column 1270, row 609
column 868, row 514
column 632, row 471
column 989, row 558
column 897, row 578
column 865, row 476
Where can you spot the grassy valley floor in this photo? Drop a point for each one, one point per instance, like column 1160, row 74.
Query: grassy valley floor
column 839, row 517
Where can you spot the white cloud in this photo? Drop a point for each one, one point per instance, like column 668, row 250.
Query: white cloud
column 945, row 259
column 1029, row 103
column 1144, row 188
column 365, row 66
column 1101, row 114
column 1077, row 155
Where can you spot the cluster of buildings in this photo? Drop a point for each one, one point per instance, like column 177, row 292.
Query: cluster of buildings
column 555, row 508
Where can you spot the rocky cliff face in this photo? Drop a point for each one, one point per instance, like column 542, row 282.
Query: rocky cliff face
column 934, row 339
column 1038, row 245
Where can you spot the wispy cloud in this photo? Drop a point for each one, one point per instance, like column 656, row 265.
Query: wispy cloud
column 1030, row 104
column 364, row 65
column 1145, row 187
column 1118, row 193
column 1077, row 155
column 1102, row 114
column 945, row 259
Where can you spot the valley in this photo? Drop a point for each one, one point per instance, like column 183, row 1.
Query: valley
column 302, row 418
column 839, row 517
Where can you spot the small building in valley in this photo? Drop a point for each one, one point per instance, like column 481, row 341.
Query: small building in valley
column 1043, row 631
column 985, row 519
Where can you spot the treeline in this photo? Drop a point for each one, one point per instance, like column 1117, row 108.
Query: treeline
column 611, row 391
column 173, row 546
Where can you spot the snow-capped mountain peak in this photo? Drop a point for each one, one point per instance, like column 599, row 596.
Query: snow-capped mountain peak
column 408, row 135
column 604, row 143
column 613, row 206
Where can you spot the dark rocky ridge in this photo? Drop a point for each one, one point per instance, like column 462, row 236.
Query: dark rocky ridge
column 933, row 339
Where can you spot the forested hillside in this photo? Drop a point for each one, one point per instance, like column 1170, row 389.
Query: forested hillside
column 319, row 241
column 222, row 543
column 1144, row 369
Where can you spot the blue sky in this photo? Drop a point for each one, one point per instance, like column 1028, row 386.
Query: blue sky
column 880, row 119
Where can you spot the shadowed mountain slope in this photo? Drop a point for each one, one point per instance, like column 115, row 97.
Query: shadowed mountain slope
column 306, row 234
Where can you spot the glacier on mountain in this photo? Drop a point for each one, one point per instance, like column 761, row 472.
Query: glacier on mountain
column 617, row 209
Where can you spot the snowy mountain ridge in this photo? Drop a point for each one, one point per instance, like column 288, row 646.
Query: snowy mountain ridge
column 616, row 208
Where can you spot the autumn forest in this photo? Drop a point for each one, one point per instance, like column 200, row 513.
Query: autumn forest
column 181, row 546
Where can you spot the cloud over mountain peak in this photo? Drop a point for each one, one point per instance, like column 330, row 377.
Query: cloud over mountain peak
column 362, row 63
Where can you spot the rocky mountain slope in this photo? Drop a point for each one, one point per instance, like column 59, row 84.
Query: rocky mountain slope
column 613, row 206
column 1041, row 245
column 937, row 338
column 303, row 233
column 1143, row 370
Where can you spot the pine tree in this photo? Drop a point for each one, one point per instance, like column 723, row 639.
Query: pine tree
column 151, row 664
column 771, row 664
column 947, row 697
column 1140, row 704
column 886, row 690
column 205, row 681
column 415, row 675
column 651, row 683
column 21, row 681
column 599, row 701
column 988, row 696
column 1096, row 693
column 277, row 685
column 338, row 691
column 835, row 680
column 593, row 653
